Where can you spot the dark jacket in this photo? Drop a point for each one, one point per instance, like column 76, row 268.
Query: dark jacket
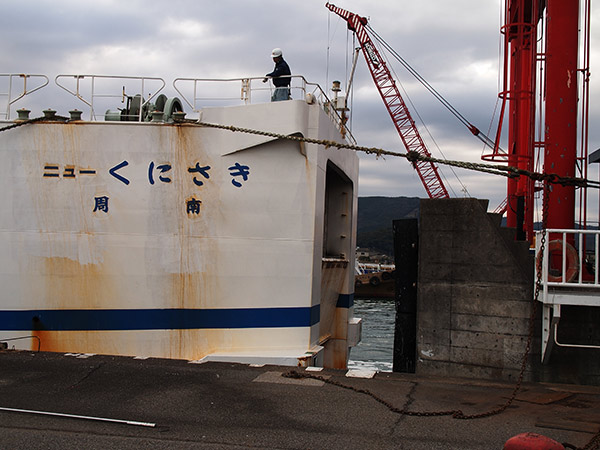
column 281, row 68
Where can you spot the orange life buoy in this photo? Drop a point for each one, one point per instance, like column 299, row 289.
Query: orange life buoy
column 555, row 275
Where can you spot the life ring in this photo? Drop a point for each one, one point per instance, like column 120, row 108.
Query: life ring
column 555, row 275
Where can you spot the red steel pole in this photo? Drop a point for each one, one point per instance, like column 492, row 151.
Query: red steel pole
column 560, row 150
column 521, row 31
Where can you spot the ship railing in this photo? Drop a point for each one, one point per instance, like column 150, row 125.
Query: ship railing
column 362, row 268
column 95, row 90
column 569, row 266
column 199, row 93
column 15, row 86
column 570, row 258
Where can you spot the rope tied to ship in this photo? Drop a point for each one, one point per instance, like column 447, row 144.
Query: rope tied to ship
column 21, row 123
column 415, row 157
column 412, row 156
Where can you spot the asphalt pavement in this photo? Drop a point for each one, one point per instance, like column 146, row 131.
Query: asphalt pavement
column 126, row 403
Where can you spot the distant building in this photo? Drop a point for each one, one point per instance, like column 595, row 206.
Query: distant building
column 367, row 255
column 363, row 254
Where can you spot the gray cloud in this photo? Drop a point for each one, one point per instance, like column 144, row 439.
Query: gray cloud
column 454, row 45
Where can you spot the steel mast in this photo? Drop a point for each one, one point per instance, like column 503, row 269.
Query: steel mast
column 560, row 149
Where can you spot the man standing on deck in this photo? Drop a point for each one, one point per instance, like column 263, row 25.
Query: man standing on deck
column 281, row 77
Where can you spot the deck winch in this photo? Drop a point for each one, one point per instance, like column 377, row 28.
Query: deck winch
column 136, row 105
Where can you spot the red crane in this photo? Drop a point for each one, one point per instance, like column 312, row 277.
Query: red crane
column 403, row 121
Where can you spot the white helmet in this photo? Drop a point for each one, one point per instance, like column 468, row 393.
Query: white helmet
column 276, row 53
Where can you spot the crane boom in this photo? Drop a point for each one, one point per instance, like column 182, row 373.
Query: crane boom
column 403, row 121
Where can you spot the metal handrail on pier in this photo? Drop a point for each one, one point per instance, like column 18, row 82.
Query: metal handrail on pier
column 569, row 263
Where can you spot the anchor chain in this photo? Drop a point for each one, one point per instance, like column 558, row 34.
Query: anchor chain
column 594, row 443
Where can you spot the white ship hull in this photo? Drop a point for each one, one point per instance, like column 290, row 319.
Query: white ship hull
column 180, row 241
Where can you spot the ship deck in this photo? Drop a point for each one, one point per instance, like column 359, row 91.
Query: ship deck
column 224, row 405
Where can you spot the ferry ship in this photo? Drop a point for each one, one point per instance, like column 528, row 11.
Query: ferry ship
column 142, row 231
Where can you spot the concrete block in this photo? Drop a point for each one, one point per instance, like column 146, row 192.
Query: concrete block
column 436, row 368
column 432, row 224
column 477, row 340
column 466, row 255
column 477, row 357
column 440, row 207
column 434, row 294
column 474, row 292
column 434, row 309
column 508, row 234
column 434, row 336
column 478, row 303
column 437, row 248
column 434, row 272
column 495, row 219
column 482, row 348
column 433, row 352
column 469, row 223
column 427, row 321
column 483, row 273
column 480, row 295
column 490, row 324
column 453, row 369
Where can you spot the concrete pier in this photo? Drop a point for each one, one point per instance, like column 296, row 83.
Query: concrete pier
column 227, row 406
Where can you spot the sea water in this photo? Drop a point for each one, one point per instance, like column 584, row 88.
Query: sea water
column 376, row 349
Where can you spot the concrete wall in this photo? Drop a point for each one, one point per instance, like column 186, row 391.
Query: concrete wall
column 475, row 299
column 474, row 294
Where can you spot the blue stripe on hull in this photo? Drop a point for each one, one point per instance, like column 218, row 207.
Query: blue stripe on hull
column 157, row 319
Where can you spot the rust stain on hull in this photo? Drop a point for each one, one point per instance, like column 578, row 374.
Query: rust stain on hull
column 332, row 282
column 190, row 344
column 67, row 284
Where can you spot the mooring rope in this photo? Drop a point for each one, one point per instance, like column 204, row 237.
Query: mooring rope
column 413, row 157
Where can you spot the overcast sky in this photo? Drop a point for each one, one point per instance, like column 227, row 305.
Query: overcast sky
column 454, row 45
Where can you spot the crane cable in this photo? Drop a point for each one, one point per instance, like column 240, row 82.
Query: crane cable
column 472, row 128
column 414, row 108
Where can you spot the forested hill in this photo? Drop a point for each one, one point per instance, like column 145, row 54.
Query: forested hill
column 375, row 217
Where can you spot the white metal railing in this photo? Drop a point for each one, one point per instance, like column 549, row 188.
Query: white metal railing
column 139, row 85
column 233, row 91
column 14, row 94
column 97, row 91
column 569, row 264
column 362, row 268
column 198, row 93
column 570, row 258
